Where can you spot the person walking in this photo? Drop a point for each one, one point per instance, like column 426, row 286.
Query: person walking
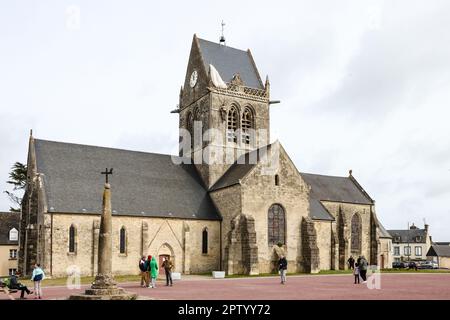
column 153, row 271
column 37, row 277
column 356, row 273
column 363, row 268
column 351, row 262
column 14, row 284
column 144, row 273
column 168, row 265
column 282, row 267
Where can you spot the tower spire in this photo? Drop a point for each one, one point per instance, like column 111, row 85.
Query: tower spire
column 222, row 37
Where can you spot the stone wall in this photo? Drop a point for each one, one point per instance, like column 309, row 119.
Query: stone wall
column 384, row 253
column 228, row 203
column 324, row 243
column 259, row 193
column 310, row 262
column 148, row 236
column 346, row 211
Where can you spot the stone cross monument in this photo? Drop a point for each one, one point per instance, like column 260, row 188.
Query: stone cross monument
column 104, row 287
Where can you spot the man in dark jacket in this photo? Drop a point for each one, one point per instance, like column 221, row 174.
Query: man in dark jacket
column 144, row 273
column 282, row 267
column 351, row 262
column 14, row 284
column 168, row 265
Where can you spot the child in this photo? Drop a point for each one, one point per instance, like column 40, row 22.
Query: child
column 37, row 276
column 356, row 272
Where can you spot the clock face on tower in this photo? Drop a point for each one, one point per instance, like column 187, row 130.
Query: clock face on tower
column 193, row 79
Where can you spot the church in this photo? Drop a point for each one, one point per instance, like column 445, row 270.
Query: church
column 232, row 200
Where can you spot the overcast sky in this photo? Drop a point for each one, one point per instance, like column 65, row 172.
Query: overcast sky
column 364, row 85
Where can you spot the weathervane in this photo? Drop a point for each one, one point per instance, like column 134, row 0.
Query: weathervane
column 222, row 38
column 107, row 173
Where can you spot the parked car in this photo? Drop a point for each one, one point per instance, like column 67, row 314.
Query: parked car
column 399, row 265
column 428, row 265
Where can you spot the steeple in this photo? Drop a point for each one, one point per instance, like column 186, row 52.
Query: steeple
column 224, row 97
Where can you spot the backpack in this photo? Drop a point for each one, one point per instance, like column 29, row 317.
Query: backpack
column 142, row 265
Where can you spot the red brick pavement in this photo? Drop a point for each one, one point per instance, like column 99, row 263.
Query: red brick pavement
column 393, row 286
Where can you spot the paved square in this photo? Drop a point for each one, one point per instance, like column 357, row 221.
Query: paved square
column 393, row 286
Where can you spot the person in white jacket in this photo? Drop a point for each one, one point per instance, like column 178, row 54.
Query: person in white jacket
column 37, row 276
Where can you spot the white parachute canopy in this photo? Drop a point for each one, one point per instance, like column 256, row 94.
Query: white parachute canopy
column 215, row 78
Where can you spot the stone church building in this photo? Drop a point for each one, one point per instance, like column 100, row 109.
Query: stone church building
column 237, row 215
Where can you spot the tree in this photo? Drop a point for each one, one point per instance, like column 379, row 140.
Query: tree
column 18, row 178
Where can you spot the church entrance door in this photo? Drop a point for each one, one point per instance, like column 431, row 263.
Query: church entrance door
column 162, row 257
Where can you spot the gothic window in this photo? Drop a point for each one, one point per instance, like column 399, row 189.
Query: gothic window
column 277, row 180
column 190, row 126
column 247, row 125
column 232, row 124
column 123, row 238
column 13, row 234
column 72, row 232
column 356, row 234
column 276, row 225
column 205, row 241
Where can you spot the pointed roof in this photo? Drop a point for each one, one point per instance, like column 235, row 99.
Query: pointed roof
column 229, row 61
column 437, row 250
column 240, row 168
column 143, row 184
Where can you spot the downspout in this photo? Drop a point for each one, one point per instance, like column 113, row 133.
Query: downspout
column 221, row 241
column 332, row 245
column 51, row 244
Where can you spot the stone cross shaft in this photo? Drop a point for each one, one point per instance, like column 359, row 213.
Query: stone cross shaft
column 104, row 278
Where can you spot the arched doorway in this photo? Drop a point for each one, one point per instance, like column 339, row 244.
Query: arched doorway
column 164, row 252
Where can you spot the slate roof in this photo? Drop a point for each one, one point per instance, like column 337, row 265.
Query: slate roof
column 341, row 189
column 383, row 232
column 141, row 182
column 408, row 236
column 330, row 188
column 318, row 211
column 240, row 168
column 437, row 250
column 8, row 220
column 229, row 61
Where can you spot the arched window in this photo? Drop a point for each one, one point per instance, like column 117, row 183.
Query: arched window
column 247, row 125
column 122, row 240
column 276, row 225
column 356, row 234
column 72, row 234
column 205, row 241
column 232, row 124
column 13, row 235
column 190, row 126
column 277, row 180
column 189, row 122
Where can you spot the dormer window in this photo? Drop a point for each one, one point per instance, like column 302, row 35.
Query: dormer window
column 13, row 235
column 418, row 238
column 397, row 239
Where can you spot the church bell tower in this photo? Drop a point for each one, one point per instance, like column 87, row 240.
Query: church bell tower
column 223, row 107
